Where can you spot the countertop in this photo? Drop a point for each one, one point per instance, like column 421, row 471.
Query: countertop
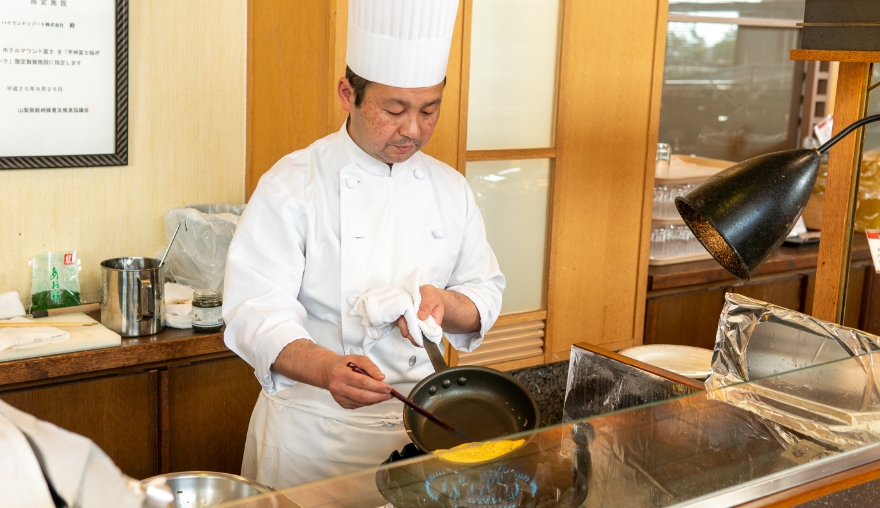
column 170, row 347
column 709, row 271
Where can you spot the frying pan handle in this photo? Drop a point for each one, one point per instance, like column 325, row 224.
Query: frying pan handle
column 435, row 355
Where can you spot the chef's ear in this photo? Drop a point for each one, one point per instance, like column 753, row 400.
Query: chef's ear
column 346, row 95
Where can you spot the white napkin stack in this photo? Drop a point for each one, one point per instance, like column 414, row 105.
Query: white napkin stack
column 32, row 336
column 10, row 305
column 178, row 305
column 381, row 307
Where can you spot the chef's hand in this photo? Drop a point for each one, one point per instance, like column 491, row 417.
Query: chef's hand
column 306, row 362
column 352, row 390
column 433, row 304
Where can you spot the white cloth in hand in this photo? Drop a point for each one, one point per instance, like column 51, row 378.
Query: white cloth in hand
column 381, row 307
column 178, row 305
column 31, row 336
column 10, row 305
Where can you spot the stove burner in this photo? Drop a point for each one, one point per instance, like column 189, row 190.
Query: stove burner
column 498, row 488
column 537, row 476
column 435, row 485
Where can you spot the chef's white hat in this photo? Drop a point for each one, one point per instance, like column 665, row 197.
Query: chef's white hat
column 400, row 43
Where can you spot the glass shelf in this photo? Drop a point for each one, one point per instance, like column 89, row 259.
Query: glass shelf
column 697, row 449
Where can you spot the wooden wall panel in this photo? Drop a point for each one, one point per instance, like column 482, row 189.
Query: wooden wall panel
column 118, row 413
column 210, row 405
column 840, row 192
column 650, row 164
column 444, row 144
column 288, row 79
column 606, row 132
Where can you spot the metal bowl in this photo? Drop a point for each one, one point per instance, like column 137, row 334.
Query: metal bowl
column 198, row 489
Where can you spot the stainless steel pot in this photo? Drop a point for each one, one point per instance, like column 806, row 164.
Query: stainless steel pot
column 133, row 296
column 198, row 489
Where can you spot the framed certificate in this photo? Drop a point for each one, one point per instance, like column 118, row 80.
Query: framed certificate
column 63, row 83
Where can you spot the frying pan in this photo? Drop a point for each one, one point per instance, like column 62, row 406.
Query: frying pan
column 480, row 402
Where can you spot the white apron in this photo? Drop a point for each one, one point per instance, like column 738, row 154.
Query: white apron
column 281, row 447
column 325, row 225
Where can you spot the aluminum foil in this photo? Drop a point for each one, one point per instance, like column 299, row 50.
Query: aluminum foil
column 599, row 385
column 834, row 402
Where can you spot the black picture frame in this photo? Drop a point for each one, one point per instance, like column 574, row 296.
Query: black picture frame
column 120, row 157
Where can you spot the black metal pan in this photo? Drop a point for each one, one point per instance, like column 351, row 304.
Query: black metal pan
column 480, row 402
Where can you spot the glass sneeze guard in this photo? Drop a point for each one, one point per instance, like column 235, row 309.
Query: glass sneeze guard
column 694, row 450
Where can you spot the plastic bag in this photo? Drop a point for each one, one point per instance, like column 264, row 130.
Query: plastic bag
column 55, row 280
column 198, row 256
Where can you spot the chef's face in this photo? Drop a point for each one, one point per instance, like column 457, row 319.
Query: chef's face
column 391, row 124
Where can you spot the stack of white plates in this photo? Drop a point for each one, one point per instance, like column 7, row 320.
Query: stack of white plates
column 692, row 362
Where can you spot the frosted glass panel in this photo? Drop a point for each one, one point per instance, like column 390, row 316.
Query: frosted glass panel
column 512, row 98
column 513, row 196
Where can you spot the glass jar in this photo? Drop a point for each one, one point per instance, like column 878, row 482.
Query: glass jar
column 207, row 306
column 664, row 156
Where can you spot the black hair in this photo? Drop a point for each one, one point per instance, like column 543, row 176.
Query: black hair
column 359, row 85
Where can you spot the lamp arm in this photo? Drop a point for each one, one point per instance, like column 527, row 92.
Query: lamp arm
column 842, row 134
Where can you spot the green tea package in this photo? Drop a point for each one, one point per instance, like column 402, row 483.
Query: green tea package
column 55, row 280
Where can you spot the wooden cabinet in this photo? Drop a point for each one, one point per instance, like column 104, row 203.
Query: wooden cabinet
column 165, row 419
column 209, row 407
column 689, row 318
column 684, row 301
column 118, row 413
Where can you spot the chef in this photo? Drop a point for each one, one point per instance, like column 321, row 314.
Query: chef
column 44, row 466
column 360, row 212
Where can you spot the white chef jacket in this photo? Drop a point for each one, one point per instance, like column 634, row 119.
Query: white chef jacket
column 34, row 452
column 324, row 225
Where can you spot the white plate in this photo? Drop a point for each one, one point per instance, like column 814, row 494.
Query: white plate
column 693, row 362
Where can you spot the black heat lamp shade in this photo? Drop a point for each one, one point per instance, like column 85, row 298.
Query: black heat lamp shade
column 744, row 213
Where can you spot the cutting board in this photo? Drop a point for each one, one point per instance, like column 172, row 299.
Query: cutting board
column 81, row 338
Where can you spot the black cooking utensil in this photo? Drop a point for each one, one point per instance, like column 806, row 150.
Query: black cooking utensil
column 417, row 408
column 483, row 403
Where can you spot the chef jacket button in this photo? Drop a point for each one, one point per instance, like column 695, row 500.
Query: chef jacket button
column 356, row 351
column 418, row 173
column 438, row 233
column 351, row 182
column 352, row 299
column 412, row 361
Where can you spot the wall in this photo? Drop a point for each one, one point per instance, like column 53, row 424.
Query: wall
column 186, row 132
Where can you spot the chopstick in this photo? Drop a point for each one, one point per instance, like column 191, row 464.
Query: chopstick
column 419, row 409
column 89, row 307
column 48, row 323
